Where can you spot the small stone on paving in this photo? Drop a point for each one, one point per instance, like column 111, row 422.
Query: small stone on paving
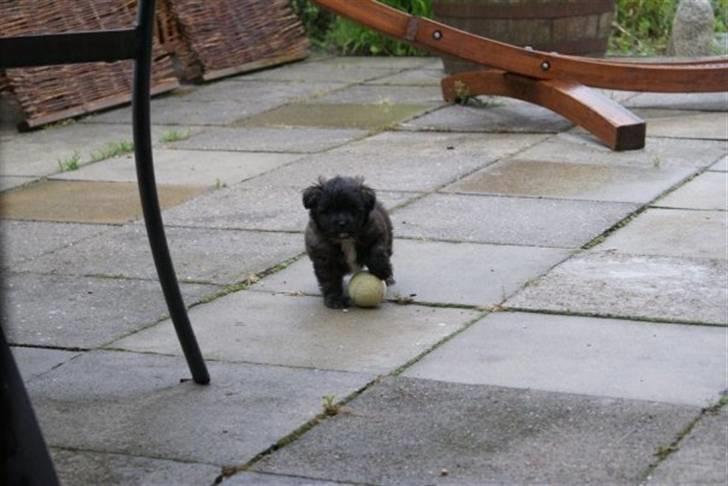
column 707, row 191
column 86, row 201
column 186, row 167
column 633, row 286
column 508, row 220
column 302, row 332
column 589, row 356
column 82, row 312
column 86, row 467
column 200, row 255
column 407, row 431
column 265, row 139
column 701, row 457
column 443, row 273
column 129, row 403
column 339, row 115
column 571, row 181
column 673, row 232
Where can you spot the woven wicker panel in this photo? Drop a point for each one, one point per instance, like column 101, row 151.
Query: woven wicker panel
column 51, row 93
column 224, row 37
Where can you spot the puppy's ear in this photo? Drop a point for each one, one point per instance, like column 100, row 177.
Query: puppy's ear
column 311, row 196
column 369, row 197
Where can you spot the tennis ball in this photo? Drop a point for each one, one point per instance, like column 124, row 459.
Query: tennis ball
column 366, row 290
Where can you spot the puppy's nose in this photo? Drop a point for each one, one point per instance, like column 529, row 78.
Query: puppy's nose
column 341, row 223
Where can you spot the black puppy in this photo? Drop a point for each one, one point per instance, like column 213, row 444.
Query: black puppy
column 347, row 230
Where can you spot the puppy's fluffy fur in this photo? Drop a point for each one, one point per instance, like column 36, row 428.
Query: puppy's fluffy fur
column 347, row 230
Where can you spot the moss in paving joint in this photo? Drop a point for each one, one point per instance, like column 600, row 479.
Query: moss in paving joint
column 651, row 320
column 248, row 281
column 665, row 451
column 231, row 470
column 175, row 135
column 630, row 217
column 466, row 326
column 69, row 163
column 112, row 149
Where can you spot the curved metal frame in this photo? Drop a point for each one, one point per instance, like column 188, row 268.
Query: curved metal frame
column 107, row 46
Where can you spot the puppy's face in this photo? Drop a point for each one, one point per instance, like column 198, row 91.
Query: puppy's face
column 340, row 206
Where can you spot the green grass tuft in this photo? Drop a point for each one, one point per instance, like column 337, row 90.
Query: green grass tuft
column 112, row 149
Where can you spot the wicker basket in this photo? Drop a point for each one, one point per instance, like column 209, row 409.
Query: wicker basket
column 51, row 93
column 223, row 37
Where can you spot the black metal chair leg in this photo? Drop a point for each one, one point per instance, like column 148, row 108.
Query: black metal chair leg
column 149, row 198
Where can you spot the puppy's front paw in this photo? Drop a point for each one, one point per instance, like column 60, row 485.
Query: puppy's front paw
column 336, row 301
column 390, row 281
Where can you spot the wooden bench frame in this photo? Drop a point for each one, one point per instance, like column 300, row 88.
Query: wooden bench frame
column 558, row 82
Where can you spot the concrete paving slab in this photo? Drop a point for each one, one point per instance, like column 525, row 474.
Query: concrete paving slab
column 673, row 232
column 176, row 111
column 11, row 182
column 83, row 467
column 443, row 273
column 507, row 220
column 633, row 286
column 700, row 458
column 371, row 94
column 382, row 62
column 185, row 167
column 129, row 403
column 256, row 479
column 302, row 332
column 33, row 362
column 571, row 181
column 82, row 312
column 256, row 206
column 335, row 71
column 707, row 191
column 404, row 161
column 658, row 152
column 687, row 124
column 406, row 431
column 588, row 356
column 200, row 255
column 496, row 115
column 24, row 240
column 721, row 165
column 265, row 139
column 251, row 92
column 38, row 153
column 86, row 201
column 681, row 101
column 336, row 115
column 424, row 76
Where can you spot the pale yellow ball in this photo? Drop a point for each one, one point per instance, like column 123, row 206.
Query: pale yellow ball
column 366, row 290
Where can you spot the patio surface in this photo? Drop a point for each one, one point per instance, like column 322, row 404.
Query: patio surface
column 560, row 314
